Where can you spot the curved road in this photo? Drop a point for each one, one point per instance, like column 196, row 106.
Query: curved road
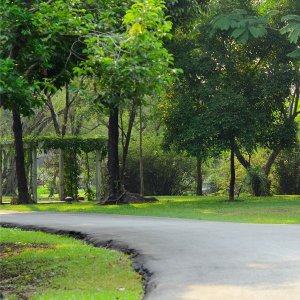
column 195, row 259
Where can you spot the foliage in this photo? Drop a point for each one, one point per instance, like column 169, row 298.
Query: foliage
column 89, row 193
column 242, row 26
column 71, row 173
column 287, row 172
column 257, row 180
column 165, row 173
column 71, row 147
column 81, row 144
column 35, row 43
column 132, row 61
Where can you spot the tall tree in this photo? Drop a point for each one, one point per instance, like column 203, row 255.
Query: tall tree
column 237, row 92
column 34, row 34
column 128, row 64
column 266, row 22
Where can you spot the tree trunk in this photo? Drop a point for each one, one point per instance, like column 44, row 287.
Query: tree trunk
column 141, row 156
column 53, row 115
column 113, row 155
column 199, row 191
column 256, row 186
column 262, row 184
column 270, row 161
column 127, row 139
column 23, row 193
column 232, row 174
column 66, row 112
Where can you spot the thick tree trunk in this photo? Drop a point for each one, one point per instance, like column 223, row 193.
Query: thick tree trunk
column 113, row 155
column 23, row 193
column 199, row 191
column 232, row 174
column 256, row 188
column 127, row 139
column 141, row 156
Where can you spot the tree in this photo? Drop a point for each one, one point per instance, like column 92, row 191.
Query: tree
column 128, row 64
column 245, row 27
column 237, row 92
column 35, row 36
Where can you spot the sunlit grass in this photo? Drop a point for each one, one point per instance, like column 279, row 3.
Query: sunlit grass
column 276, row 209
column 64, row 268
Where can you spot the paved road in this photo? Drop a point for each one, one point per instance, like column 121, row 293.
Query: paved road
column 196, row 259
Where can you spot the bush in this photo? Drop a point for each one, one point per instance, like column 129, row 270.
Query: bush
column 287, row 172
column 165, row 173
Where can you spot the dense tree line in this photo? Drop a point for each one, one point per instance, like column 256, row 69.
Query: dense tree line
column 217, row 79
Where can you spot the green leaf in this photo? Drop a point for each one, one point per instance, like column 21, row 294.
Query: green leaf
column 244, row 37
column 257, row 31
column 238, row 32
column 222, row 23
column 294, row 35
column 294, row 54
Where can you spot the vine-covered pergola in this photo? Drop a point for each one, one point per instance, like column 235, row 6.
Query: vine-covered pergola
column 68, row 148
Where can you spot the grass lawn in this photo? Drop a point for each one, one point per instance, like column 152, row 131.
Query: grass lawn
column 273, row 210
column 36, row 265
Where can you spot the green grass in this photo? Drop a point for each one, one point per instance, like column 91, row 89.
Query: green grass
column 36, row 265
column 273, row 210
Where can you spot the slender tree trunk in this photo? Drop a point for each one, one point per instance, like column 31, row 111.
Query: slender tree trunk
column 23, row 193
column 232, row 174
column 271, row 160
column 199, row 178
column 66, row 112
column 53, row 115
column 245, row 163
column 141, row 156
column 113, row 154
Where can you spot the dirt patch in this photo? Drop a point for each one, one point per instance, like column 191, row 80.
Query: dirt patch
column 20, row 279
column 11, row 249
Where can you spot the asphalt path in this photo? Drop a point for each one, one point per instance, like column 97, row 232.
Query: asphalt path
column 193, row 259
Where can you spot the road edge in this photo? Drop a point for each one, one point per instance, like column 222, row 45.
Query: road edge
column 135, row 256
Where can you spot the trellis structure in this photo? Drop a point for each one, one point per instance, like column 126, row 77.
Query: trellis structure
column 46, row 143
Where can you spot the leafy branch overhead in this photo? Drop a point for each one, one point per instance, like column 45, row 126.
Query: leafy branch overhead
column 292, row 28
column 242, row 26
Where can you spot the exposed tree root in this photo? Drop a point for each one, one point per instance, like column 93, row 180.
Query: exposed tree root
column 127, row 198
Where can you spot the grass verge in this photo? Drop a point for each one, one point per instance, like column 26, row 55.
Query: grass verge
column 37, row 265
column 270, row 210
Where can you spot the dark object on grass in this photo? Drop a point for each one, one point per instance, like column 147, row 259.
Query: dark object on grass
column 81, row 198
column 14, row 201
column 127, row 198
column 69, row 199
